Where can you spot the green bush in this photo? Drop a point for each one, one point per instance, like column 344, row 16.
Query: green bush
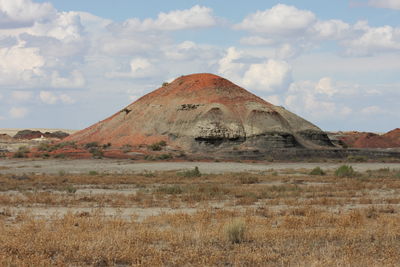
column 70, row 189
column 357, row 158
column 164, row 84
column 157, row 146
column 96, row 152
column 235, row 231
column 93, row 173
column 191, row 173
column 91, row 145
column 170, row 190
column 345, row 171
column 317, row 171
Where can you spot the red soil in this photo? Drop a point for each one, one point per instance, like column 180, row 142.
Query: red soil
column 372, row 140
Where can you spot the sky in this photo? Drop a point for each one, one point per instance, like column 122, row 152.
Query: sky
column 69, row 64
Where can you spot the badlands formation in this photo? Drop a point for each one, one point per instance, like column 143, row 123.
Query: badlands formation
column 205, row 113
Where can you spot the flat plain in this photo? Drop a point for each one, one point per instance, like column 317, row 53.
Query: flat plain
column 273, row 216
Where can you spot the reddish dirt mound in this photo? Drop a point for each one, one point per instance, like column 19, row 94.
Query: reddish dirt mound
column 372, row 140
column 204, row 111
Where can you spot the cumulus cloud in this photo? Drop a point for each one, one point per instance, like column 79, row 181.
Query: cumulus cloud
column 228, row 65
column 18, row 63
column 18, row 112
column 21, row 96
column 138, row 68
column 332, row 29
column 392, row 4
column 75, row 80
column 48, row 97
column 269, row 76
column 371, row 40
column 325, row 86
column 51, row 98
column 23, row 13
column 195, row 17
column 279, row 20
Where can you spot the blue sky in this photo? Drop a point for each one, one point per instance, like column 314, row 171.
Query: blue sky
column 69, row 64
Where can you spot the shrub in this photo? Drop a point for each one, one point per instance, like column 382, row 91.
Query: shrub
column 170, row 190
column 70, row 189
column 60, row 156
column 91, row 145
column 96, row 152
column 165, row 156
column 191, row 173
column 317, row 171
column 235, row 231
column 164, row 84
column 345, row 171
column 21, row 153
column 157, row 146
column 93, row 173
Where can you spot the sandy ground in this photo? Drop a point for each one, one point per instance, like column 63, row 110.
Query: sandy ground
column 13, row 131
column 53, row 166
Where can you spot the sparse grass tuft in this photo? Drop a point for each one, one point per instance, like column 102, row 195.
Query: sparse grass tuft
column 235, row 231
column 317, row 171
column 191, row 173
column 345, row 171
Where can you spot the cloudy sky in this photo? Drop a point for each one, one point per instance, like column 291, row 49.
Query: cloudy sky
column 69, row 64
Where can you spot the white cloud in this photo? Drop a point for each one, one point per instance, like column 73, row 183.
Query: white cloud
column 257, row 40
column 139, row 68
column 21, row 96
column 372, row 110
column 372, row 40
column 227, row 65
column 392, row 4
column 269, row 76
column 332, row 29
column 325, row 86
column 279, row 20
column 19, row 64
column 66, row 99
column 51, row 98
column 195, row 17
column 22, row 13
column 18, row 112
column 75, row 80
column 48, row 97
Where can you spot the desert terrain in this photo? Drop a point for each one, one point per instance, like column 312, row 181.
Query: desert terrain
column 121, row 213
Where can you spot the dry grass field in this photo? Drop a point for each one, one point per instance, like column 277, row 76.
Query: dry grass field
column 290, row 218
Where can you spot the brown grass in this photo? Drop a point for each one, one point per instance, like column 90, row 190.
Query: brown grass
column 290, row 219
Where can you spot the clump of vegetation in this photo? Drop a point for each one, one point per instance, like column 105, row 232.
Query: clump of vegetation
column 164, row 84
column 157, row 146
column 91, row 145
column 317, row 171
column 105, row 146
column 93, row 173
column 357, row 158
column 191, row 173
column 70, row 189
column 22, row 152
column 248, row 179
column 235, row 231
column 170, row 190
column 345, row 171
column 48, row 147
